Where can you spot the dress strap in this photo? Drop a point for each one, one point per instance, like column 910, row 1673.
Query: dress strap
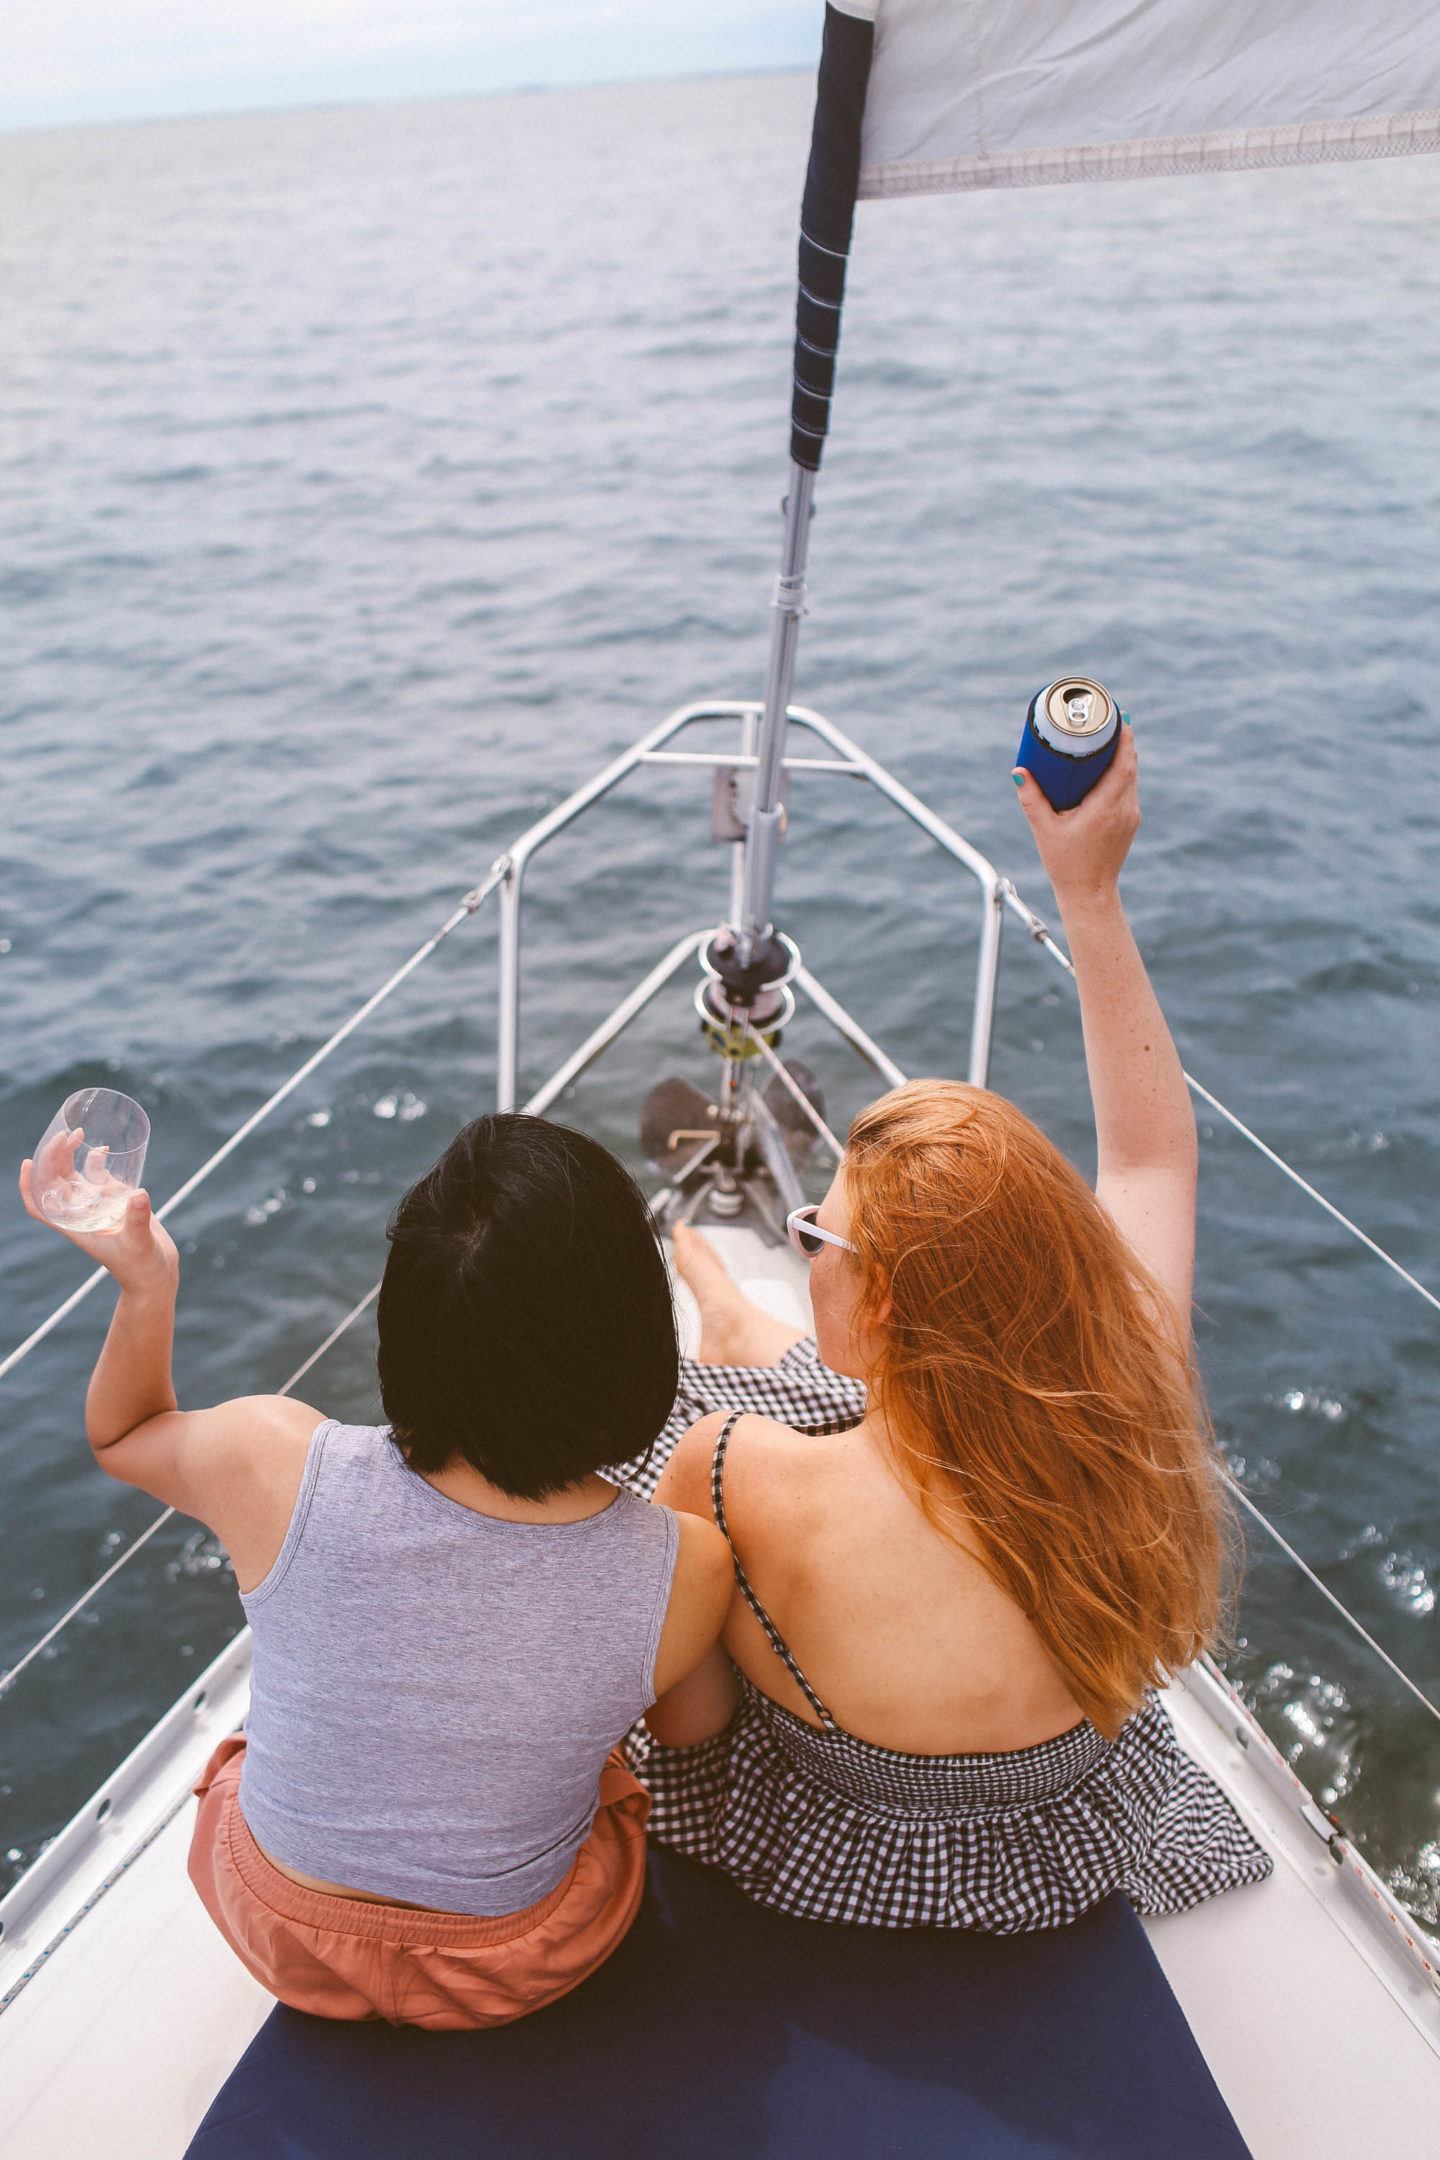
column 776, row 1640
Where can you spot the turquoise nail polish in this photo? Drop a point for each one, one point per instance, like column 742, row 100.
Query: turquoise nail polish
column 1126, row 718
column 1018, row 778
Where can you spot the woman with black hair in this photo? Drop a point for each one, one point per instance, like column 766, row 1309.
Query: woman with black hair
column 455, row 1618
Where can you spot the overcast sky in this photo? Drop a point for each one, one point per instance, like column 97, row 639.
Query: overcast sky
column 63, row 61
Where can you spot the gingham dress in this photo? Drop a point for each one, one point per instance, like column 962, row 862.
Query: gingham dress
column 826, row 1826
column 798, row 1391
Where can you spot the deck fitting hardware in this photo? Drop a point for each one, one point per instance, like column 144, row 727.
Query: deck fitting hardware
column 1326, row 1828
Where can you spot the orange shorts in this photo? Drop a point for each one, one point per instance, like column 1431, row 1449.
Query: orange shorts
column 347, row 1958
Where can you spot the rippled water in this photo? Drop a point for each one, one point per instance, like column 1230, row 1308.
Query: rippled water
column 366, row 478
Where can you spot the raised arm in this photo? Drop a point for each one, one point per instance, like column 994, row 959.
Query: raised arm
column 236, row 1467
column 1144, row 1125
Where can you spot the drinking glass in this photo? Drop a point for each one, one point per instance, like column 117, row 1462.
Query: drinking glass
column 90, row 1159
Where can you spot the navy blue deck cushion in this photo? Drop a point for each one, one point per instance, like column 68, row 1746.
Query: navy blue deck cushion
column 720, row 2031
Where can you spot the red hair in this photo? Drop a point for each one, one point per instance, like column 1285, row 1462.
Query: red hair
column 1036, row 1388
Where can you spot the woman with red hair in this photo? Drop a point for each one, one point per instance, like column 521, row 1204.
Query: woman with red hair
column 960, row 1585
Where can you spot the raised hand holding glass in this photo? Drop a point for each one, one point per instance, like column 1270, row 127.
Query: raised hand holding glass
column 90, row 1159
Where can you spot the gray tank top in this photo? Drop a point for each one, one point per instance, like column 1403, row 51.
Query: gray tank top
column 435, row 1691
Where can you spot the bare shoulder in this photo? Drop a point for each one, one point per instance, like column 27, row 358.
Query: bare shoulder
column 258, row 1433
column 763, row 1444
column 245, row 1461
column 280, row 1417
column 772, row 1480
column 693, row 1455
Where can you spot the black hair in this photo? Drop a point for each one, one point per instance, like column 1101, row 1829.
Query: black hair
column 525, row 1315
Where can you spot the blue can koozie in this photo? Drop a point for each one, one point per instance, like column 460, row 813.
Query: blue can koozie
column 1071, row 733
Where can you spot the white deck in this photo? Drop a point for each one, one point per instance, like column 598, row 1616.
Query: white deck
column 122, row 2038
column 1324, row 2048
column 121, row 2045
column 1321, row 2031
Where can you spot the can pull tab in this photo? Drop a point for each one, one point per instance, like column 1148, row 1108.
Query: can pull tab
column 1071, row 731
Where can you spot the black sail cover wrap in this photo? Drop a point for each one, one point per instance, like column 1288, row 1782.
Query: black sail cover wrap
column 827, row 217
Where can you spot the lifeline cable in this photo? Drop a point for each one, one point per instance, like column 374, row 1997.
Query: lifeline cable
column 466, row 908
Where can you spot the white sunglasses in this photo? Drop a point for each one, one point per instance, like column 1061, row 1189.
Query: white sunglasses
column 806, row 1235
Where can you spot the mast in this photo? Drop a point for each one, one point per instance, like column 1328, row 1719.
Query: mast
column 746, row 960
column 767, row 818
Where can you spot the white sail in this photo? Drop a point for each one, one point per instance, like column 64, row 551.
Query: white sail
column 1018, row 93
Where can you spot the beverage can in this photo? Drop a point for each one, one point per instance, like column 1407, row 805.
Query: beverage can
column 1071, row 732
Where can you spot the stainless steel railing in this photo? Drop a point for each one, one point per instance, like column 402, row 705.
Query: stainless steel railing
column 652, row 749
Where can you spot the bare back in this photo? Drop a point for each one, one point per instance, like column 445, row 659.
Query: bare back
column 897, row 1625
column 909, row 1759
